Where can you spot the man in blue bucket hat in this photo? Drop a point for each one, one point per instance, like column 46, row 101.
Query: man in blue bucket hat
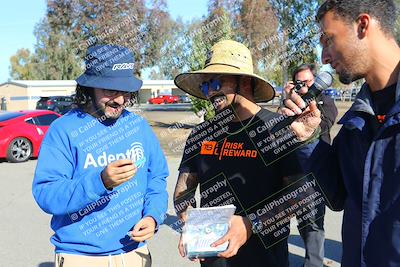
column 101, row 172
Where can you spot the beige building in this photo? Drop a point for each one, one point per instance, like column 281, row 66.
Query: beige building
column 22, row 95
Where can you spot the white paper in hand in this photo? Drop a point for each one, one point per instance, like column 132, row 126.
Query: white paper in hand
column 203, row 227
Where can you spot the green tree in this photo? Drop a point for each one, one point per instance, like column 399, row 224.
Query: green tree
column 139, row 25
column 70, row 27
column 253, row 34
column 21, row 65
column 298, row 36
column 55, row 54
column 176, row 48
column 216, row 27
column 54, row 57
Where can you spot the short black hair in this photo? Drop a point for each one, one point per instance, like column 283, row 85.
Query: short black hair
column 302, row 67
column 384, row 11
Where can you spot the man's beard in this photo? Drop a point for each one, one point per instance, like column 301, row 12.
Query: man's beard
column 228, row 106
column 352, row 65
column 114, row 114
column 217, row 101
column 346, row 77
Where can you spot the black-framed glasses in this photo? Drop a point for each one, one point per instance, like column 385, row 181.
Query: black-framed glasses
column 212, row 84
column 114, row 93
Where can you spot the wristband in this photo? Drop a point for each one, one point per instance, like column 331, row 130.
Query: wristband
column 256, row 225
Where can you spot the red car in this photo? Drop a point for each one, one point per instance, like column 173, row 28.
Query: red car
column 164, row 99
column 22, row 132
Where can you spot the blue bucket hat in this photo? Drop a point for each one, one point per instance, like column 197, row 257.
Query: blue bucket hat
column 109, row 67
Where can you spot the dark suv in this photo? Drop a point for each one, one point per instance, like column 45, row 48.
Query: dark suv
column 59, row 104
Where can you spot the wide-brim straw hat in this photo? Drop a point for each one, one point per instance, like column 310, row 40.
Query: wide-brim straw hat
column 225, row 58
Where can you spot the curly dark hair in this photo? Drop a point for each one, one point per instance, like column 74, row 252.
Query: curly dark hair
column 84, row 95
column 384, row 11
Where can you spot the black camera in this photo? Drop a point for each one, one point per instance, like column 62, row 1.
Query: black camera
column 298, row 85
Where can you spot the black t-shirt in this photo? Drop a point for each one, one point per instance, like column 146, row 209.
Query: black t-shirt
column 229, row 150
column 242, row 163
column 382, row 101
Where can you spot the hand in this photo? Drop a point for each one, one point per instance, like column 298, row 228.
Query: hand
column 143, row 230
column 181, row 216
column 309, row 119
column 182, row 251
column 289, row 86
column 239, row 232
column 118, row 172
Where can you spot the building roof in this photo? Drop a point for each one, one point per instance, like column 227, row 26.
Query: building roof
column 159, row 82
column 69, row 83
column 41, row 83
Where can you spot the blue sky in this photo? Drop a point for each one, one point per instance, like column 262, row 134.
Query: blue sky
column 18, row 19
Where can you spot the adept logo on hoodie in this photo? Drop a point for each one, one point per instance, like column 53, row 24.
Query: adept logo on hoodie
column 135, row 153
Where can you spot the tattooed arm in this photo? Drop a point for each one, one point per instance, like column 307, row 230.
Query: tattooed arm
column 184, row 192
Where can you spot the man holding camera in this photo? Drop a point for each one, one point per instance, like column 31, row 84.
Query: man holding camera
column 303, row 78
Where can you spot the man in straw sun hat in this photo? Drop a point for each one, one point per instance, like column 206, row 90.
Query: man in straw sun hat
column 101, row 172
column 227, row 158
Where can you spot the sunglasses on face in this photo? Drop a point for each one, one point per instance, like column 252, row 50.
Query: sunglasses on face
column 212, row 84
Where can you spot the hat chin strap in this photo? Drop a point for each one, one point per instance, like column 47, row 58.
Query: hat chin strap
column 237, row 89
column 237, row 92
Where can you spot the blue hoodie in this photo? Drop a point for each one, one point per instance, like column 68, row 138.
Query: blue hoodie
column 87, row 218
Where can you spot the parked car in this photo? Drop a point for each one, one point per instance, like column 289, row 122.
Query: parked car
column 156, row 100
column 22, row 132
column 58, row 104
column 184, row 99
column 333, row 93
column 164, row 99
